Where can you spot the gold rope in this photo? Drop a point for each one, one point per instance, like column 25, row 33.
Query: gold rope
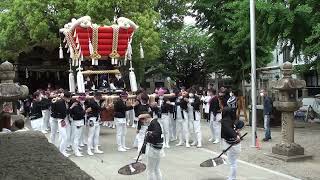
column 114, row 54
column 95, row 55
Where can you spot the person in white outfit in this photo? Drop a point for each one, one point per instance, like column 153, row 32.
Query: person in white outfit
column 230, row 133
column 172, row 123
column 46, row 103
column 181, row 111
column 215, row 109
column 77, row 113
column 164, row 118
column 141, row 106
column 206, row 99
column 35, row 116
column 154, row 147
column 194, row 117
column 93, row 109
column 59, row 113
column 120, row 109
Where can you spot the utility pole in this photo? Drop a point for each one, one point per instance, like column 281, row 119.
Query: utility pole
column 253, row 70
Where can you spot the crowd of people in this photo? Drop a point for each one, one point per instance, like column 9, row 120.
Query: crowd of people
column 74, row 122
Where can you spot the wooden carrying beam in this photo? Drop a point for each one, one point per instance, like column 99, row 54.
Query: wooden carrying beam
column 90, row 72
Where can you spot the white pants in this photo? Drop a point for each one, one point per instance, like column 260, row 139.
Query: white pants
column 121, row 131
column 63, row 125
column 46, row 118
column 140, row 137
column 130, row 116
column 182, row 130
column 69, row 133
column 84, row 135
column 36, row 124
column 233, row 153
column 153, row 163
column 93, row 133
column 164, row 122
column 53, row 130
column 77, row 131
column 172, row 127
column 215, row 126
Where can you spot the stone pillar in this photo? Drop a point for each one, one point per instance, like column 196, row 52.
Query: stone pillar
column 10, row 92
column 287, row 103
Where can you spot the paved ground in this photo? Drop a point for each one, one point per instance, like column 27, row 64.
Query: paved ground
column 182, row 163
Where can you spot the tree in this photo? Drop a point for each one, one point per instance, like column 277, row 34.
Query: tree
column 33, row 23
column 228, row 24
column 184, row 55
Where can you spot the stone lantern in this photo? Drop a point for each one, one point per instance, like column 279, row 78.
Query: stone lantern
column 287, row 103
column 10, row 91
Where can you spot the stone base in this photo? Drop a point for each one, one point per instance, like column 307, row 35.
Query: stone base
column 288, row 149
column 290, row 158
column 289, row 152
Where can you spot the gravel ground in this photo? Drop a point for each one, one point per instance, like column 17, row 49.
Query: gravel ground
column 307, row 135
column 29, row 156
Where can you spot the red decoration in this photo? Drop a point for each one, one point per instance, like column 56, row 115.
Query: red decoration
column 105, row 40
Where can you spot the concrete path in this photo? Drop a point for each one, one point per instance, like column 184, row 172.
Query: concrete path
column 180, row 163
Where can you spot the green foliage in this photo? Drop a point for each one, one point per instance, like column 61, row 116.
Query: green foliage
column 26, row 24
column 184, row 55
column 228, row 23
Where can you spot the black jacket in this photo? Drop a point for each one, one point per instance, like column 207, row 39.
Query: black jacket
column 120, row 109
column 215, row 106
column 138, row 109
column 154, row 134
column 77, row 112
column 196, row 104
column 45, row 103
column 59, row 109
column 228, row 131
column 95, row 108
column 36, row 110
column 183, row 106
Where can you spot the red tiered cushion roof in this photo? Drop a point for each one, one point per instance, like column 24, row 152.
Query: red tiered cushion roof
column 105, row 40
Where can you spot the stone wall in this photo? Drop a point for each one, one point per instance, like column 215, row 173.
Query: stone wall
column 29, row 156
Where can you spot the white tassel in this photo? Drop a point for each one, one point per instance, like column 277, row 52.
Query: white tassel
column 141, row 52
column 125, row 60
column 75, row 33
column 72, row 86
column 66, row 46
column 81, row 57
column 60, row 52
column 27, row 73
column 64, row 40
column 90, row 47
column 77, row 62
column 133, row 81
column 96, row 62
column 92, row 62
column 112, row 61
column 80, row 82
column 115, row 61
column 68, row 50
column 129, row 52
